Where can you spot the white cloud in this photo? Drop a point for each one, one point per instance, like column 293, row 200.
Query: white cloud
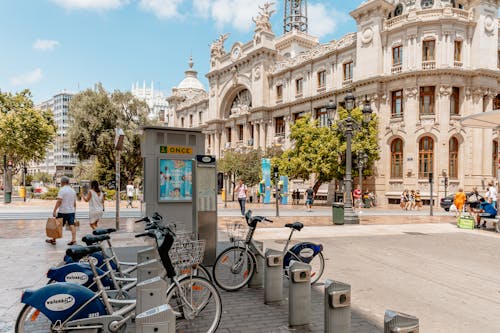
column 202, row 7
column 91, row 4
column 27, row 78
column 324, row 20
column 162, row 8
column 45, row 44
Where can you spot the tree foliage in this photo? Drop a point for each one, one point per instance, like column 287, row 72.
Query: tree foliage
column 321, row 150
column 243, row 164
column 25, row 132
column 96, row 114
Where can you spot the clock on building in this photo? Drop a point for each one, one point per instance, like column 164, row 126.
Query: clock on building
column 236, row 53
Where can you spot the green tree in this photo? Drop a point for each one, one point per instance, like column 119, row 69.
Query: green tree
column 96, row 114
column 44, row 177
column 25, row 132
column 242, row 164
column 321, row 150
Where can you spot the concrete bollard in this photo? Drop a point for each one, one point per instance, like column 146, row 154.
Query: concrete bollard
column 337, row 307
column 398, row 322
column 151, row 294
column 149, row 269
column 273, row 277
column 257, row 280
column 299, row 294
column 147, row 254
column 159, row 319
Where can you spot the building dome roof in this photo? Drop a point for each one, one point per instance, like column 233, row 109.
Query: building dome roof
column 191, row 80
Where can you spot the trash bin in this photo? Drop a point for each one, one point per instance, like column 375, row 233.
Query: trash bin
column 22, row 192
column 338, row 212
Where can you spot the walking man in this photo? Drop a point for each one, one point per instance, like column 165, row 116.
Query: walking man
column 309, row 198
column 242, row 191
column 65, row 208
column 130, row 194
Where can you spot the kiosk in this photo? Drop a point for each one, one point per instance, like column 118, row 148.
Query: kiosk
column 180, row 182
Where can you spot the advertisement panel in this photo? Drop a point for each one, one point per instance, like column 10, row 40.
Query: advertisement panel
column 176, row 180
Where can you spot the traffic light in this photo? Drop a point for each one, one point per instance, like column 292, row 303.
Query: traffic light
column 431, row 177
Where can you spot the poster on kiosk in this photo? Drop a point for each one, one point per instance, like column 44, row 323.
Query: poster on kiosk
column 176, row 180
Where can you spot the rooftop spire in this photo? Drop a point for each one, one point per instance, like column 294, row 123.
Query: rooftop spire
column 295, row 16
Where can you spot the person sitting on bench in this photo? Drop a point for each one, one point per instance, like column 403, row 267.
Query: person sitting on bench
column 487, row 210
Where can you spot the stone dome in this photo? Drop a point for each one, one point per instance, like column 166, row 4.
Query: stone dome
column 191, row 80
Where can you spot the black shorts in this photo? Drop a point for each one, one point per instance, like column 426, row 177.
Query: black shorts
column 68, row 218
column 474, row 205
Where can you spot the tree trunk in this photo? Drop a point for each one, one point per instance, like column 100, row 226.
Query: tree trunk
column 316, row 186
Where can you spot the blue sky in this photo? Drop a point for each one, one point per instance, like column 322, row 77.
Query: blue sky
column 51, row 45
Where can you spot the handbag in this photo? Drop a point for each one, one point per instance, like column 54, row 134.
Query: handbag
column 54, row 227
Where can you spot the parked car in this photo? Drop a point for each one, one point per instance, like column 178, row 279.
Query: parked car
column 447, row 201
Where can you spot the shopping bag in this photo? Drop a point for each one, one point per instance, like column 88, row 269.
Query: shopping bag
column 466, row 222
column 54, row 227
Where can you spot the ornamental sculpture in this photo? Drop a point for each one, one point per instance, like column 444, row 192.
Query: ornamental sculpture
column 262, row 22
column 217, row 47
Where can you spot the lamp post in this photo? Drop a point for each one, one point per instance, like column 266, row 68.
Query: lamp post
column 119, row 136
column 225, row 189
column 362, row 160
column 349, row 125
column 276, row 190
column 445, row 181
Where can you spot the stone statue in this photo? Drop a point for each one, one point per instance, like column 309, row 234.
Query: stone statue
column 262, row 22
column 217, row 47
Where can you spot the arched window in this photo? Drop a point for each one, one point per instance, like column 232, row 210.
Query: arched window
column 397, row 158
column 399, row 10
column 453, row 158
column 425, row 156
column 494, row 153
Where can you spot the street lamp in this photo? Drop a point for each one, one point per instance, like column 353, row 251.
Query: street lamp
column 349, row 125
column 225, row 189
column 362, row 161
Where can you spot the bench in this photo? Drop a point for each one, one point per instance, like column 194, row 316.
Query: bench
column 494, row 221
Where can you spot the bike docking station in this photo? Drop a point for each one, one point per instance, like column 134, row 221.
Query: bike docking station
column 160, row 319
column 150, row 294
column 398, row 322
column 149, row 269
column 299, row 294
column 146, row 254
column 273, row 277
column 337, row 307
column 257, row 280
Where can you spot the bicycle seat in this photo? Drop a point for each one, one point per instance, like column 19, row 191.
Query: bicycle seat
column 103, row 231
column 90, row 239
column 77, row 252
column 295, row 225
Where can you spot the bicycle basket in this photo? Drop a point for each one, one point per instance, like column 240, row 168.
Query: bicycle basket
column 187, row 253
column 236, row 231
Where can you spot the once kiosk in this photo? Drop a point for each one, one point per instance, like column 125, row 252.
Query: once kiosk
column 180, row 182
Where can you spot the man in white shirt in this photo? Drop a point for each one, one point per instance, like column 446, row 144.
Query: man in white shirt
column 65, row 208
column 130, row 194
column 491, row 194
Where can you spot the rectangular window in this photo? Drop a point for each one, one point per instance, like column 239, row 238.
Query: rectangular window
column 279, row 92
column 200, row 117
column 182, row 122
column 161, row 116
column 299, row 86
column 428, row 50
column 455, row 101
column 397, row 55
column 279, row 126
column 190, row 120
column 427, row 100
column 240, row 132
column 458, row 50
column 228, row 134
column 297, row 116
column 321, row 79
column 322, row 117
column 397, row 104
column 348, row 66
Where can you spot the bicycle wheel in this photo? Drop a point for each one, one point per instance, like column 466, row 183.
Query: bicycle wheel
column 233, row 268
column 31, row 320
column 317, row 267
column 197, row 305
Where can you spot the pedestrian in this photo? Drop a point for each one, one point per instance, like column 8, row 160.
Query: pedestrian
column 486, row 210
column 242, row 191
column 402, row 200
column 130, row 193
column 309, row 198
column 491, row 194
column 65, row 208
column 473, row 199
column 460, row 199
column 356, row 194
column 95, row 198
column 298, row 196
column 418, row 199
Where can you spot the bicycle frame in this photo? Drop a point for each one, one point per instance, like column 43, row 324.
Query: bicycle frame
column 252, row 247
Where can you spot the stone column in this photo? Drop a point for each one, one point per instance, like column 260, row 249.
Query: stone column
column 262, row 136
column 256, row 133
column 288, row 120
column 411, row 117
column 478, row 136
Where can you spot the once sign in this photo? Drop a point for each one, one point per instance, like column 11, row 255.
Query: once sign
column 176, row 150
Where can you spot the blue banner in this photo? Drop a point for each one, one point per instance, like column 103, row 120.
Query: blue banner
column 284, row 190
column 266, row 175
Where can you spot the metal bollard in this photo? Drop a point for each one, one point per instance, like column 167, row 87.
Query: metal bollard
column 146, row 254
column 299, row 294
column 398, row 322
column 273, row 277
column 151, row 294
column 159, row 319
column 337, row 307
column 257, row 280
column 149, row 269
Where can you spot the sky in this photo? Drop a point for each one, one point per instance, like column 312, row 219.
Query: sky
column 52, row 45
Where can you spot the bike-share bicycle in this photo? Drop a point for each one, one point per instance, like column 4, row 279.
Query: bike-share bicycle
column 235, row 266
column 68, row 307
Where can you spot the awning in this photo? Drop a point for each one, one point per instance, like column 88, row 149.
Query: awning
column 489, row 119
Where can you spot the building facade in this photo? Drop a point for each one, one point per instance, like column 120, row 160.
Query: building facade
column 59, row 160
column 423, row 65
column 156, row 101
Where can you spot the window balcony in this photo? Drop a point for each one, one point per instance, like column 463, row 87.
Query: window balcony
column 347, row 82
column 396, row 69
column 458, row 64
column 431, row 64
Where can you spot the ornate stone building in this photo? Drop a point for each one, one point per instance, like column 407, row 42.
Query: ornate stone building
column 424, row 65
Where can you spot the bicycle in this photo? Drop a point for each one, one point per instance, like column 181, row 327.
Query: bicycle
column 235, row 266
column 67, row 307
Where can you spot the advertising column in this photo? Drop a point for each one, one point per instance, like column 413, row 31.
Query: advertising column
column 266, row 175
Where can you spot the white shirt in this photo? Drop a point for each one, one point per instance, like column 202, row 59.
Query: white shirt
column 492, row 193
column 242, row 191
column 95, row 203
column 130, row 190
column 68, row 197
